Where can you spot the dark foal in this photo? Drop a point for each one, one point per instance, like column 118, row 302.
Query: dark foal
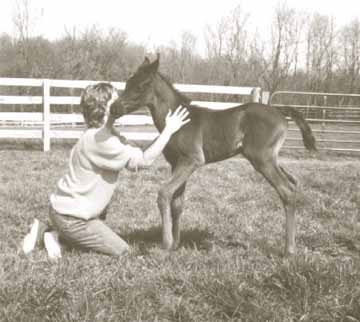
column 254, row 130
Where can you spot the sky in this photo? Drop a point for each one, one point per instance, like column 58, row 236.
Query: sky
column 159, row 22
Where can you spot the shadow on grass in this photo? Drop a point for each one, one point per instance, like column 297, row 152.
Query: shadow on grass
column 193, row 238
column 34, row 144
column 267, row 248
column 17, row 145
column 138, row 236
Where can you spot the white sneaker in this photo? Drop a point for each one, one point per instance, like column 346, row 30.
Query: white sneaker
column 34, row 237
column 52, row 245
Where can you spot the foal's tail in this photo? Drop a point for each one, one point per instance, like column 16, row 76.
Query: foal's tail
column 306, row 132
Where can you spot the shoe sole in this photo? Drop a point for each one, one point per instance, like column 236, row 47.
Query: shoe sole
column 52, row 245
column 35, row 237
column 30, row 239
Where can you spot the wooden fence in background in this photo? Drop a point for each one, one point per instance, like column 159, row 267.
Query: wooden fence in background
column 45, row 125
column 336, row 125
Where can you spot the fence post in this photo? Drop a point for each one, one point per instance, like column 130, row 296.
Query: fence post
column 256, row 95
column 265, row 98
column 324, row 114
column 46, row 115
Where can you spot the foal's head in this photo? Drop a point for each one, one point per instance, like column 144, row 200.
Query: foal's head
column 139, row 89
column 148, row 87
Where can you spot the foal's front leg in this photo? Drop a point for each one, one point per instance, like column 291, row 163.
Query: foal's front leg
column 166, row 194
column 176, row 210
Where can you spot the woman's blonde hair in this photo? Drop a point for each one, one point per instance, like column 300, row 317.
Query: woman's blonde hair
column 94, row 100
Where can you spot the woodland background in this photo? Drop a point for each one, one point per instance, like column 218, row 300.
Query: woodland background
column 300, row 51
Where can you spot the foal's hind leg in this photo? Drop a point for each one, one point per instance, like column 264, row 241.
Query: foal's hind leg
column 289, row 176
column 285, row 184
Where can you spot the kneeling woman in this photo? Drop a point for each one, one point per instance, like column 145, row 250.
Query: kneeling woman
column 84, row 192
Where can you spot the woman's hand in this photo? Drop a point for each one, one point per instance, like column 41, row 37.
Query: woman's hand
column 174, row 121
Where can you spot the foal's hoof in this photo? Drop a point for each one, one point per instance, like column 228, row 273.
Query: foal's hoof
column 175, row 245
column 289, row 253
column 167, row 245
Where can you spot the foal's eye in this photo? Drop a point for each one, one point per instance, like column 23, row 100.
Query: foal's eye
column 141, row 86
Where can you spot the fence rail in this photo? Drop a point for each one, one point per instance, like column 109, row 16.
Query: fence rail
column 336, row 127
column 45, row 123
column 186, row 88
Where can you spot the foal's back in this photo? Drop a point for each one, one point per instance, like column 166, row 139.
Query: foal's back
column 213, row 136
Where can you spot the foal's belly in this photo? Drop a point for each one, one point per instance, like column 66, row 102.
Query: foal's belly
column 222, row 137
column 217, row 150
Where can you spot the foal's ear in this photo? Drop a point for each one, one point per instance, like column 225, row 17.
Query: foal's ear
column 146, row 62
column 154, row 66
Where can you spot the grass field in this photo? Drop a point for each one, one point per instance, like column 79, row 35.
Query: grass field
column 229, row 266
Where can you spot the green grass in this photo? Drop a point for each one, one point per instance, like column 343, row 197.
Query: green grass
column 229, row 266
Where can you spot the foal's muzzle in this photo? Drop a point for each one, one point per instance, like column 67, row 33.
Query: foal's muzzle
column 117, row 109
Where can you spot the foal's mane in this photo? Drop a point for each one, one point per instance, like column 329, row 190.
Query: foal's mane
column 184, row 100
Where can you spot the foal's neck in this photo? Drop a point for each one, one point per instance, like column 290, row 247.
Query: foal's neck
column 166, row 99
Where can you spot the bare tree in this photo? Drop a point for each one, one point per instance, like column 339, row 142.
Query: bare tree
column 320, row 52
column 279, row 58
column 215, row 38
column 25, row 20
column 236, row 42
column 349, row 40
column 179, row 58
column 187, row 56
column 227, row 46
column 22, row 19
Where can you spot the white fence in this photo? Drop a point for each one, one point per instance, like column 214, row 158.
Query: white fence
column 43, row 125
